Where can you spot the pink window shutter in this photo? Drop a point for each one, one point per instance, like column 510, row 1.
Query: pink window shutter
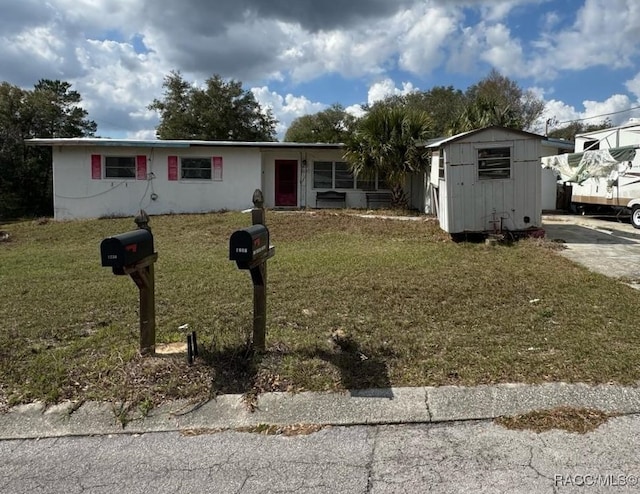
column 172, row 165
column 141, row 167
column 96, row 166
column 217, row 168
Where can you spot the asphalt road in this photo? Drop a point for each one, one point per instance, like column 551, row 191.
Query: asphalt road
column 453, row 457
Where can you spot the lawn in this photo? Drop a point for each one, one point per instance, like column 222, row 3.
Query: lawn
column 352, row 303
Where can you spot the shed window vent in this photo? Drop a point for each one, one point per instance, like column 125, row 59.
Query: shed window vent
column 494, row 163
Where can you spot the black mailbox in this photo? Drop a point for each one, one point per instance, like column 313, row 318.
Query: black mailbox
column 126, row 249
column 249, row 246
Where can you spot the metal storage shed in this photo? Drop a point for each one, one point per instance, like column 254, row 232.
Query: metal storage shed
column 487, row 181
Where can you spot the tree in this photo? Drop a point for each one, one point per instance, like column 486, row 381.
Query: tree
column 498, row 100
column 331, row 125
column 443, row 104
column 569, row 131
column 220, row 111
column 49, row 110
column 481, row 113
column 387, row 142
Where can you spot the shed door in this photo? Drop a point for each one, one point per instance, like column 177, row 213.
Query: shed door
column 461, row 207
column 286, row 183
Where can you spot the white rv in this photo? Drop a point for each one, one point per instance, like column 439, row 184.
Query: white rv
column 604, row 169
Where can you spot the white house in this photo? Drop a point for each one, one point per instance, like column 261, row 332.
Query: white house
column 488, row 180
column 95, row 177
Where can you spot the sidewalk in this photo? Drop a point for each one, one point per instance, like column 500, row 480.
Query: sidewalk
column 375, row 406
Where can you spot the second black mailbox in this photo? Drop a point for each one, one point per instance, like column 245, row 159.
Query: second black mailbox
column 126, row 249
column 249, row 246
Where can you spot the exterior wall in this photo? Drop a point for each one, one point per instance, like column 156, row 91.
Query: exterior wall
column 269, row 175
column 610, row 138
column 77, row 195
column 417, row 185
column 549, row 184
column 469, row 204
column 549, row 189
column 355, row 198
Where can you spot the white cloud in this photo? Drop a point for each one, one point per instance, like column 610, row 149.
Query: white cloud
column 605, row 32
column 465, row 51
column 260, row 42
column 592, row 112
column 497, row 10
column 118, row 86
column 285, row 108
column 380, row 90
column 421, row 47
column 355, row 110
column 502, row 51
column 633, row 85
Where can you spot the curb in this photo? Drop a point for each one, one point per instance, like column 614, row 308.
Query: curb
column 358, row 407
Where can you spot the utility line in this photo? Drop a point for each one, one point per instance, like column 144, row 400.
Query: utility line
column 598, row 116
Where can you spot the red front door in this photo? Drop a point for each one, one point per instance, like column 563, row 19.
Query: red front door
column 286, row 183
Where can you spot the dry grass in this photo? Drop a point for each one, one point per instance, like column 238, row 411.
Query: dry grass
column 578, row 420
column 264, row 429
column 412, row 307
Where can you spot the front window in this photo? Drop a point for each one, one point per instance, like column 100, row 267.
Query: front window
column 323, row 175
column 494, row 163
column 338, row 175
column 196, row 168
column 344, row 176
column 120, row 167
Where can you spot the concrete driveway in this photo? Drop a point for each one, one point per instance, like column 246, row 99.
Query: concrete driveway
column 606, row 245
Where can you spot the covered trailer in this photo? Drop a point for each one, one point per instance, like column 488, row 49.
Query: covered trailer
column 604, row 170
column 487, row 181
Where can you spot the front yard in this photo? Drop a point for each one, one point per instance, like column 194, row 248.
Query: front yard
column 352, row 303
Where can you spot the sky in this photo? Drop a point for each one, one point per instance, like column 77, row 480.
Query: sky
column 582, row 57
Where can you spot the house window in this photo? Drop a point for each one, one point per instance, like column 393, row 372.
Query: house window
column 338, row 175
column 366, row 183
column 494, row 163
column 323, row 175
column 344, row 176
column 383, row 182
column 441, row 163
column 195, row 168
column 120, row 167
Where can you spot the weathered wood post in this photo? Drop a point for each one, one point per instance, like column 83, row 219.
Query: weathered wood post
column 250, row 249
column 145, row 279
column 132, row 253
column 259, row 277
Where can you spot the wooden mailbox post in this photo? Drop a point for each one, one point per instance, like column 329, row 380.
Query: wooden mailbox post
column 132, row 253
column 250, row 249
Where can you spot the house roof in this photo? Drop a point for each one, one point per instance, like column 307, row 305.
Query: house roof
column 436, row 143
column 158, row 143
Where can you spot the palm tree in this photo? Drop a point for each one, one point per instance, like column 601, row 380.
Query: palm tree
column 386, row 142
column 482, row 113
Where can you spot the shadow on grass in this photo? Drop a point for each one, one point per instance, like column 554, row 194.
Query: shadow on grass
column 234, row 369
column 362, row 374
column 363, row 371
column 240, row 370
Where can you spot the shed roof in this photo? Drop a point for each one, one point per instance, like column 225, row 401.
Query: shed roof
column 177, row 143
column 436, row 143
